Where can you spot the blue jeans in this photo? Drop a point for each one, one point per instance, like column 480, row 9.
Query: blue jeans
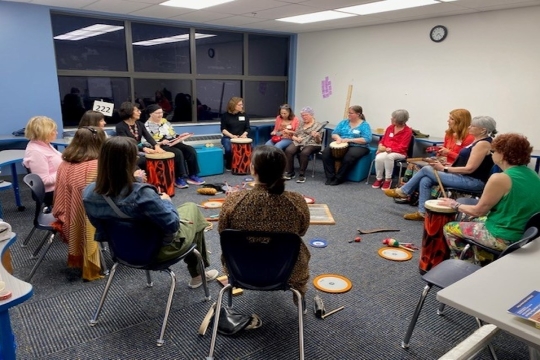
column 280, row 144
column 226, row 142
column 425, row 179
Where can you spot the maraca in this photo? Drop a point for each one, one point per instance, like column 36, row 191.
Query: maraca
column 394, row 243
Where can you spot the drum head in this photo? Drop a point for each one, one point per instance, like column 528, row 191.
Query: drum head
column 434, row 206
column 394, row 254
column 241, row 141
column 160, row 156
column 309, row 200
column 213, row 203
column 332, row 283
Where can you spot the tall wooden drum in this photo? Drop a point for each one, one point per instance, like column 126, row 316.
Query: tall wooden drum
column 434, row 248
column 160, row 171
column 241, row 156
column 338, row 152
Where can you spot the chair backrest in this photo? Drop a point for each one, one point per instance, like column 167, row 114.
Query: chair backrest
column 133, row 242
column 530, row 234
column 37, row 187
column 410, row 149
column 260, row 260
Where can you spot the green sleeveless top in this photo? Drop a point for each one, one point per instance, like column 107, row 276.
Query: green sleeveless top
column 507, row 219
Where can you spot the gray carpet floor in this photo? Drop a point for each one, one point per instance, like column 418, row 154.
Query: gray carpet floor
column 53, row 324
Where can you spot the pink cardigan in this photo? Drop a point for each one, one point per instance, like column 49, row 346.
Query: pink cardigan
column 42, row 159
column 278, row 127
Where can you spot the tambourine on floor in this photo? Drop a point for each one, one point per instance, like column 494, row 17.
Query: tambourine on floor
column 332, row 283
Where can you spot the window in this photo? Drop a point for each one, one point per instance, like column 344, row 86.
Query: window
column 213, row 97
column 161, row 49
column 219, row 52
column 263, row 98
column 78, row 94
column 174, row 96
column 83, row 43
column 268, row 55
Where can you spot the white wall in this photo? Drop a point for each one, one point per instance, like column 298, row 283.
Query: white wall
column 488, row 64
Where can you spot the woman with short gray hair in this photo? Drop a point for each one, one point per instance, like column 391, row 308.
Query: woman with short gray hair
column 392, row 146
column 469, row 172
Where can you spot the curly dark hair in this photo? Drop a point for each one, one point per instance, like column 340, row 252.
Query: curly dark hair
column 514, row 148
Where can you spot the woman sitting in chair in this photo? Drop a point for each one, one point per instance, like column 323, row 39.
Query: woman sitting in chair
column 508, row 200
column 393, row 146
column 354, row 134
column 457, row 135
column 306, row 141
column 78, row 169
column 470, row 171
column 286, row 125
column 115, row 179
column 268, row 207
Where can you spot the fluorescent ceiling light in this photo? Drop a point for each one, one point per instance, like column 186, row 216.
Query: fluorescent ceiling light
column 388, row 5
column 194, row 4
column 88, row 31
column 171, row 39
column 314, row 17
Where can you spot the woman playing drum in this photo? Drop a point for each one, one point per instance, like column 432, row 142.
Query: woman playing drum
column 356, row 133
column 286, row 125
column 234, row 124
column 306, row 141
column 163, row 132
column 470, row 171
column 509, row 200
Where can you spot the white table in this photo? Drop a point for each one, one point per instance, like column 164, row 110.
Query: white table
column 489, row 292
column 21, row 291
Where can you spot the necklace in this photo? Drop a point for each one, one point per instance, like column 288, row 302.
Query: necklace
column 134, row 130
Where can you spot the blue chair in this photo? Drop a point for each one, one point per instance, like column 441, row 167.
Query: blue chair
column 135, row 244
column 42, row 221
column 261, row 261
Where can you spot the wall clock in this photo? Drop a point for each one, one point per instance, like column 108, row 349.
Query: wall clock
column 211, row 53
column 438, row 33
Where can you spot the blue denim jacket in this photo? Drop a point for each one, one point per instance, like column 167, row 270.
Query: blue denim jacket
column 142, row 203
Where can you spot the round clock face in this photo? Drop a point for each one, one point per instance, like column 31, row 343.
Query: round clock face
column 438, row 33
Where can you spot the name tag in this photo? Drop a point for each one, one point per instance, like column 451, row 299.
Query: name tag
column 391, row 135
column 241, row 118
column 356, row 131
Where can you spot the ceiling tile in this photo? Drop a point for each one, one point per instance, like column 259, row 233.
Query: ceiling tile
column 117, row 6
column 73, row 4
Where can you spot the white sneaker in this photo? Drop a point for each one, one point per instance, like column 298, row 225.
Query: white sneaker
column 210, row 275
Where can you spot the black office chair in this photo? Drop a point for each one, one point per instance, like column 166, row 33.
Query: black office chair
column 261, row 261
column 398, row 164
column 42, row 221
column 135, row 244
column 447, row 273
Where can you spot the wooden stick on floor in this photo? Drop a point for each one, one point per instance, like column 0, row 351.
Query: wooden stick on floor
column 348, row 102
column 440, row 183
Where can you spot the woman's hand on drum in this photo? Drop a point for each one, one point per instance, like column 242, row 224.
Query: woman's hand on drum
column 244, row 135
column 158, row 149
column 141, row 174
column 449, row 202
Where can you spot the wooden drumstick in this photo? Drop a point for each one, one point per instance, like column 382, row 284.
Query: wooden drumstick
column 440, row 183
column 348, row 102
column 332, row 312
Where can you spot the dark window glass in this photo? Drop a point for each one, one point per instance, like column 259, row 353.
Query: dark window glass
column 263, row 98
column 78, row 94
column 213, row 97
column 163, row 49
column 219, row 52
column 268, row 55
column 83, row 43
column 174, row 96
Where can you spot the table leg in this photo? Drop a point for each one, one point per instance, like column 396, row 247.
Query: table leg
column 7, row 339
column 15, row 181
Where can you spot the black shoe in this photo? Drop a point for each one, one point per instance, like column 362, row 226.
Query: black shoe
column 335, row 182
column 328, row 181
column 289, row 176
column 301, row 179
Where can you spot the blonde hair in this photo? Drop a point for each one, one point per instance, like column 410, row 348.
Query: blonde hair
column 462, row 121
column 231, row 106
column 40, row 128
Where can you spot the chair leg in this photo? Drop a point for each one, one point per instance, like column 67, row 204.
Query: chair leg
column 414, row 319
column 94, row 319
column 104, row 269
column 40, row 246
column 216, row 316
column 492, row 353
column 203, row 275
column 160, row 341
column 369, row 173
column 38, row 262
column 440, row 309
column 28, row 237
column 149, row 282
column 313, row 164
column 464, row 251
column 301, row 305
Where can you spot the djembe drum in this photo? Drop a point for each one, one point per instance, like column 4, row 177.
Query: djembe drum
column 434, row 248
column 160, row 171
column 338, row 152
column 241, row 156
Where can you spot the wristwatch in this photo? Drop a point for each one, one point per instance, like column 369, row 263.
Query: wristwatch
column 445, row 169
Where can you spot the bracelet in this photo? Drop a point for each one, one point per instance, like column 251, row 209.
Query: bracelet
column 456, row 206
